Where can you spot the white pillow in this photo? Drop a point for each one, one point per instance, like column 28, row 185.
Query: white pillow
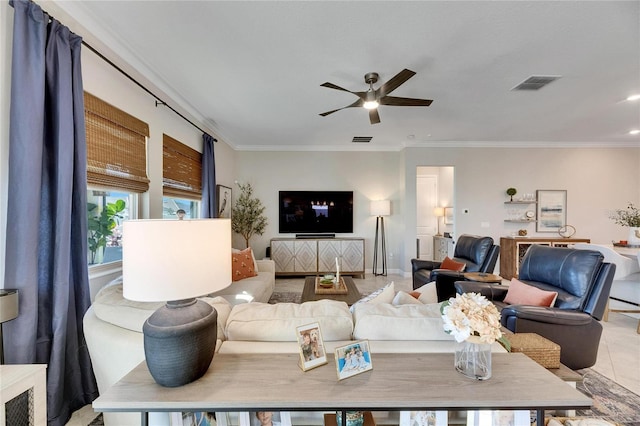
column 428, row 293
column 382, row 295
column 403, row 298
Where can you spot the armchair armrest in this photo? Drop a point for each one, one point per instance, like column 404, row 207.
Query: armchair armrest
column 546, row 315
column 418, row 264
column 493, row 292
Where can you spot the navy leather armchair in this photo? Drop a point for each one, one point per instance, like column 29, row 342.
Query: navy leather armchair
column 582, row 280
column 478, row 253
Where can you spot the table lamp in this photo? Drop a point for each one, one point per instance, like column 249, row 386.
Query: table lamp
column 380, row 208
column 176, row 261
column 438, row 212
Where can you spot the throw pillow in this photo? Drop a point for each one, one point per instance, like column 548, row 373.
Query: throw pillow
column 427, row 293
column 520, row 293
column 382, row 295
column 452, row 265
column 403, row 298
column 242, row 265
column 253, row 256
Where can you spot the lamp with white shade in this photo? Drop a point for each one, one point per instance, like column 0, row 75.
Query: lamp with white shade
column 438, row 213
column 380, row 208
column 176, row 261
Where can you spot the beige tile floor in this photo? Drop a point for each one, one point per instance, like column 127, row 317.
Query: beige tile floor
column 618, row 354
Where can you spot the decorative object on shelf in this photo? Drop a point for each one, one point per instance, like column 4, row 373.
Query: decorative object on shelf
column 354, row 418
column 474, row 322
column 522, row 232
column 179, row 337
column 629, row 217
column 248, row 214
column 380, row 208
column 530, row 214
column 552, row 210
column 567, row 231
column 438, row 213
column 352, row 359
column 511, row 192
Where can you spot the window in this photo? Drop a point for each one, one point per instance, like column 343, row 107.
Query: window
column 107, row 210
column 116, row 174
column 181, row 179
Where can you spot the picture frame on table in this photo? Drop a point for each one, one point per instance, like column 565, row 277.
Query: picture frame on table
column 424, row 418
column 551, row 210
column 311, row 346
column 258, row 418
column 353, row 359
column 448, row 215
column 223, row 201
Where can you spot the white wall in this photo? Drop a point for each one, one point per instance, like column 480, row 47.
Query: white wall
column 6, row 29
column 371, row 175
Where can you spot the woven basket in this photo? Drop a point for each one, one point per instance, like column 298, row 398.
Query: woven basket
column 543, row 351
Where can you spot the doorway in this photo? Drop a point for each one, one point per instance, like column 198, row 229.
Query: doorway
column 434, row 193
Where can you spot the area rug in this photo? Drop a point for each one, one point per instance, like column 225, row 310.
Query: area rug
column 285, row 297
column 611, row 401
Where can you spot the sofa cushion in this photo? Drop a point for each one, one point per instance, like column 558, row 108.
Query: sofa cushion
column 243, row 265
column 277, row 323
column 381, row 295
column 383, row 321
column 520, row 293
column 403, row 298
column 110, row 306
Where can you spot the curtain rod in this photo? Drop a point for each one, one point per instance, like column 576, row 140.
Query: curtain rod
column 123, row 72
column 158, row 100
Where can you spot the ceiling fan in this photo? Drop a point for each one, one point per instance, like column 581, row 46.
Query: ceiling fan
column 372, row 98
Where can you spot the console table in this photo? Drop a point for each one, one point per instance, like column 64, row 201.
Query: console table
column 398, row 382
column 313, row 256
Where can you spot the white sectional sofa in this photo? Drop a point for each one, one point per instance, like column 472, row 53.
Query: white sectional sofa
column 113, row 332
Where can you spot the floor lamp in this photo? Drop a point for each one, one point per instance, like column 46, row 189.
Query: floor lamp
column 380, row 209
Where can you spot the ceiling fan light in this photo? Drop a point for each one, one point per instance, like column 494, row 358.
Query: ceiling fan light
column 371, row 104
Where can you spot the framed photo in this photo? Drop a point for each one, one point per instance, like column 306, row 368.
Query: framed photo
column 424, row 418
column 352, row 359
column 448, row 215
column 197, row 418
column 223, row 201
column 312, row 352
column 552, row 210
column 264, row 418
column 498, row 417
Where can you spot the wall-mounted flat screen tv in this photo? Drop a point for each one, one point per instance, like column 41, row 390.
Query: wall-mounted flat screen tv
column 315, row 212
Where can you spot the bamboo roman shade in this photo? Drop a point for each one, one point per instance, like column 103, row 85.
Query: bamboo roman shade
column 181, row 169
column 116, row 147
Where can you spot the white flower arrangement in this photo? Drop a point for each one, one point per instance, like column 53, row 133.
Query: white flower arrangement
column 471, row 314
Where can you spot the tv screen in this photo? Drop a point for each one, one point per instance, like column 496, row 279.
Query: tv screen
column 316, row 212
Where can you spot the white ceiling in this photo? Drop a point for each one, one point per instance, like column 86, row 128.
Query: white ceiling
column 251, row 71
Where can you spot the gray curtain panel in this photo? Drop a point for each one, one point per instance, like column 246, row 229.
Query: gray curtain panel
column 46, row 253
column 209, row 195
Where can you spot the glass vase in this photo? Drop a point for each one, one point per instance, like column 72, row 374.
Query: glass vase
column 473, row 358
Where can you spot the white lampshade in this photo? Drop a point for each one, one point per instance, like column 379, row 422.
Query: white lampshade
column 438, row 211
column 165, row 260
column 380, row 208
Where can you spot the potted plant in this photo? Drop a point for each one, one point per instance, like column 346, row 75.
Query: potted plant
column 629, row 217
column 101, row 225
column 511, row 192
column 247, row 216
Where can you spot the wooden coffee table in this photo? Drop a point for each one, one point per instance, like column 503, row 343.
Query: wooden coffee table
column 309, row 292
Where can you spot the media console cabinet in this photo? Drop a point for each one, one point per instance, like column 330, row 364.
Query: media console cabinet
column 398, row 382
column 312, row 256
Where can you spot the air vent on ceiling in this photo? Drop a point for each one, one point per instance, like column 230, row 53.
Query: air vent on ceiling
column 362, row 139
column 536, row 82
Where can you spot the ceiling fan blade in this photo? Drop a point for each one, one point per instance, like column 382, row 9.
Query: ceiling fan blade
column 395, row 101
column 395, row 82
column 361, row 95
column 374, row 117
column 357, row 103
